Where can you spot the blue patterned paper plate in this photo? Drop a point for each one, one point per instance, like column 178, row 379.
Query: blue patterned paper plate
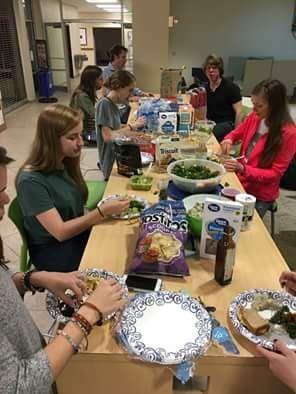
column 54, row 304
column 245, row 299
column 164, row 327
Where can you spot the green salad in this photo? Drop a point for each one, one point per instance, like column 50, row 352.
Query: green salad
column 141, row 182
column 197, row 210
column 204, row 129
column 135, row 207
column 194, row 172
column 286, row 319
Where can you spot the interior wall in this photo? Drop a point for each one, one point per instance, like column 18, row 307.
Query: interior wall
column 116, row 16
column 89, row 49
column 150, row 41
column 50, row 10
column 38, row 22
column 230, row 28
column 75, row 44
column 24, row 49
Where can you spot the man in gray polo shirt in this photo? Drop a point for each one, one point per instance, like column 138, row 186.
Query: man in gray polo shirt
column 118, row 59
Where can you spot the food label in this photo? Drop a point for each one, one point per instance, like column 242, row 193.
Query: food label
column 167, row 122
column 229, row 263
column 217, row 215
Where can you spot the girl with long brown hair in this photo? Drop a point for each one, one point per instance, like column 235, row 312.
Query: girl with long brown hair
column 268, row 138
column 52, row 193
column 85, row 97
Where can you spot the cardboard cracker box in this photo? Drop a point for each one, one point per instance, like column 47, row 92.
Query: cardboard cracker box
column 168, row 148
column 216, row 215
column 167, row 123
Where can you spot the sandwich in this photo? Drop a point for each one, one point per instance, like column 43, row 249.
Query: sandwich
column 253, row 321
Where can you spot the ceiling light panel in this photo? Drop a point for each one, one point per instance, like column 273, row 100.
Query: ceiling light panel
column 109, row 2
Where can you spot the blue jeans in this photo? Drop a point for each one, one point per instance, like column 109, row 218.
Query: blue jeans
column 262, row 207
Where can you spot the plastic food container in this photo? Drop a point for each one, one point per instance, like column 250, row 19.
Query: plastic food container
column 195, row 222
column 196, row 185
column 141, row 182
column 230, row 192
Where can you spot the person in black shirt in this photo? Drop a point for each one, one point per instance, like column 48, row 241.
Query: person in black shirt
column 224, row 100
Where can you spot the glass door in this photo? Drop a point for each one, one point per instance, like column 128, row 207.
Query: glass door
column 56, row 54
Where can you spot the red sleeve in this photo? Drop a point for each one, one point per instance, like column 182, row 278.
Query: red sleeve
column 239, row 132
column 279, row 165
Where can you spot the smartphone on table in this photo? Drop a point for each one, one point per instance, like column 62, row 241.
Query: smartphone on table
column 142, row 283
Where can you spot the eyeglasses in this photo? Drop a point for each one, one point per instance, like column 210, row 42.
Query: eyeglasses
column 211, row 66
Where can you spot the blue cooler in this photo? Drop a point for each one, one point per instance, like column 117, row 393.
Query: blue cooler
column 45, row 83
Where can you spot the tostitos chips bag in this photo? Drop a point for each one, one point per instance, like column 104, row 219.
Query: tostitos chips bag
column 160, row 247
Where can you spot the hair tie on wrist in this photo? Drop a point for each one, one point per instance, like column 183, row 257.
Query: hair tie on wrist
column 27, row 282
column 100, row 212
column 130, row 127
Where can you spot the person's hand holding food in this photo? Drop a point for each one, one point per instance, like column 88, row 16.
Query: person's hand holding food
column 288, row 280
column 140, row 122
column 107, row 298
column 114, row 207
column 233, row 165
column 282, row 364
column 226, row 146
column 58, row 282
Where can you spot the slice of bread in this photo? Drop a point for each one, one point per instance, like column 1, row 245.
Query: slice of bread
column 253, row 321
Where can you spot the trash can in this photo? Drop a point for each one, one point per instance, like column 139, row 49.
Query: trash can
column 45, row 83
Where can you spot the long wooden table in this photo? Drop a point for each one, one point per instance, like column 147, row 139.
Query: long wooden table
column 105, row 368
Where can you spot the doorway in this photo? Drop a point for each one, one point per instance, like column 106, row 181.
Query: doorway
column 104, row 39
column 56, row 54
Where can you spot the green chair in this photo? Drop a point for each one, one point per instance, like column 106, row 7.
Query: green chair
column 96, row 191
column 15, row 214
column 245, row 111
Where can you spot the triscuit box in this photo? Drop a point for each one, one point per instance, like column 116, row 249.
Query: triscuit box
column 169, row 148
column 216, row 215
column 167, row 122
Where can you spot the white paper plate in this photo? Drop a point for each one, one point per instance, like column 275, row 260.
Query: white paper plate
column 53, row 303
column 245, row 300
column 131, row 197
column 165, row 327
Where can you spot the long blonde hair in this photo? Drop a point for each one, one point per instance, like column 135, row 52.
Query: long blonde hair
column 45, row 156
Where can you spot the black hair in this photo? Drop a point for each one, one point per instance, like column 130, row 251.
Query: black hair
column 116, row 51
column 4, row 159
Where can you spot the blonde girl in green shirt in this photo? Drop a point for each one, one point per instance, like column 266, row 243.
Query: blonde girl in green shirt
column 52, row 193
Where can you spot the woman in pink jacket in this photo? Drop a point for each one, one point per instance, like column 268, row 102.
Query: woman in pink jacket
column 268, row 138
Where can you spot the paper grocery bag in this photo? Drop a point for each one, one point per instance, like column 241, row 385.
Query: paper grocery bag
column 170, row 80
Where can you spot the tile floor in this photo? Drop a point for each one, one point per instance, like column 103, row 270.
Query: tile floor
column 17, row 139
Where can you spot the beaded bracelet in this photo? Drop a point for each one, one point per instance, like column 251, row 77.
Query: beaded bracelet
column 83, row 321
column 75, row 347
column 82, row 329
column 92, row 306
